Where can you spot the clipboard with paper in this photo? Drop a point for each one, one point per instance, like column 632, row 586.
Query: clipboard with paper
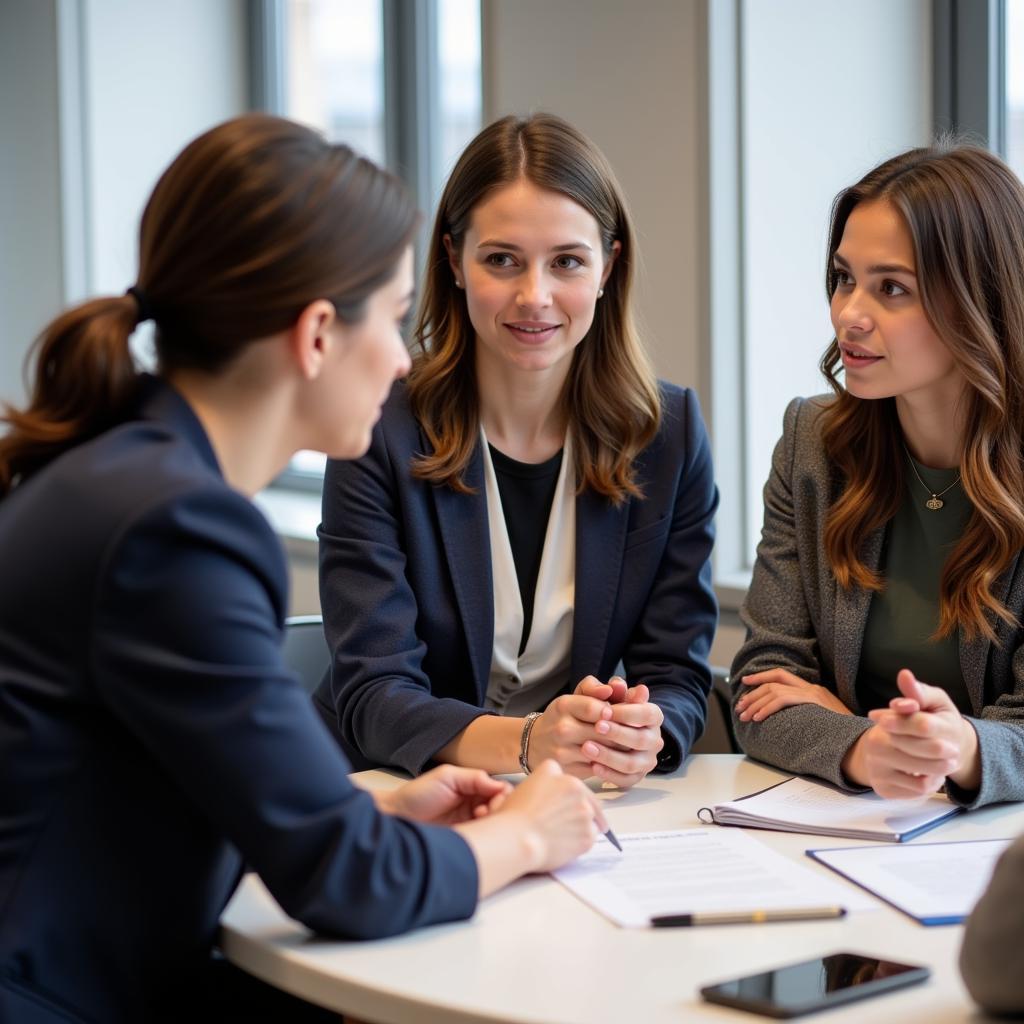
column 934, row 883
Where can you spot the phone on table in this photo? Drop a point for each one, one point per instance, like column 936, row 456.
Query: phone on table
column 814, row 985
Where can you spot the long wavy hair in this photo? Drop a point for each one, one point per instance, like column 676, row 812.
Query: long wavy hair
column 611, row 394
column 964, row 209
column 254, row 220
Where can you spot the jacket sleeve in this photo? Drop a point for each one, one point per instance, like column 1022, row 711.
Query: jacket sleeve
column 1000, row 729
column 186, row 653
column 380, row 694
column 992, row 955
column 782, row 633
column 668, row 649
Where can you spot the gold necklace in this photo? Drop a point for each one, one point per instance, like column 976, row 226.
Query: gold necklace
column 935, row 502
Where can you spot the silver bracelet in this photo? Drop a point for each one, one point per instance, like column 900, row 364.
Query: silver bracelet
column 524, row 741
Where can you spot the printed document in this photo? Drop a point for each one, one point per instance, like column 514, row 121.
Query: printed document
column 698, row 870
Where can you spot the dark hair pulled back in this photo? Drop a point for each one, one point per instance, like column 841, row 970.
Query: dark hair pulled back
column 254, row 220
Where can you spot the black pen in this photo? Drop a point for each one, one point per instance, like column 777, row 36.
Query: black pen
column 747, row 917
column 610, row 836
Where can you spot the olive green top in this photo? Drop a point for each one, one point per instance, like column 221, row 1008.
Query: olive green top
column 903, row 616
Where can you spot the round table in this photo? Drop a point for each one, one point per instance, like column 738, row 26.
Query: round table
column 534, row 953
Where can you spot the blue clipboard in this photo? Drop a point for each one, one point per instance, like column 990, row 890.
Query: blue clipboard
column 927, row 920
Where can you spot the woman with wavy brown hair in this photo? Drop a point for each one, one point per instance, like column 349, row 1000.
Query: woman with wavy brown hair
column 535, row 507
column 152, row 740
column 884, row 615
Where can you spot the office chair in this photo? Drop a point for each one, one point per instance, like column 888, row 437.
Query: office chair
column 719, row 736
column 305, row 649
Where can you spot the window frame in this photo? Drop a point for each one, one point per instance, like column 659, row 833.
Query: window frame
column 411, row 112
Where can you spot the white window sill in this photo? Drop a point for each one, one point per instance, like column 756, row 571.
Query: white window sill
column 731, row 588
column 294, row 515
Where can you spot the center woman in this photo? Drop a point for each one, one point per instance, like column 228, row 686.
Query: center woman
column 535, row 509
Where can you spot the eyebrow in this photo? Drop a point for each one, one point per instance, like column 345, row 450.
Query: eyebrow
column 877, row 268
column 493, row 243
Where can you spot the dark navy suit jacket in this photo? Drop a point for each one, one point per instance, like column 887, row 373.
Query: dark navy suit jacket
column 405, row 586
column 151, row 739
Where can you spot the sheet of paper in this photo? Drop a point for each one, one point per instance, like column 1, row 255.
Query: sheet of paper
column 692, row 870
column 805, row 801
column 937, row 883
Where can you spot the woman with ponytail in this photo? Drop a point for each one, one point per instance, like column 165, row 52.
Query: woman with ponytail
column 885, row 648
column 151, row 740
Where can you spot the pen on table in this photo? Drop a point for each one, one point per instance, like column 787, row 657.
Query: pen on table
column 747, row 917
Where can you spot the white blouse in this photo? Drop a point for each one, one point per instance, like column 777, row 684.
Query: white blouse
column 520, row 683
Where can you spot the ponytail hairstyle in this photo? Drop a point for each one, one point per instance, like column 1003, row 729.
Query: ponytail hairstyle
column 611, row 393
column 252, row 222
column 964, row 209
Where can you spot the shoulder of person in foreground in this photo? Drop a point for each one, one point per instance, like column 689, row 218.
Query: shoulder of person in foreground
column 201, row 579
column 992, row 954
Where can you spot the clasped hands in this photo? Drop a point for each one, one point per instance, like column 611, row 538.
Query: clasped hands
column 913, row 746
column 609, row 730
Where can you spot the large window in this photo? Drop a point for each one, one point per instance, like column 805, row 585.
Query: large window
column 334, row 70
column 398, row 80
column 794, row 117
column 1013, row 48
column 793, row 121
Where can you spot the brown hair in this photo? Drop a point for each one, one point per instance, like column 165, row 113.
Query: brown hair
column 254, row 220
column 964, row 209
column 611, row 391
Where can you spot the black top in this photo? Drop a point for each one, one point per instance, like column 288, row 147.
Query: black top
column 527, row 490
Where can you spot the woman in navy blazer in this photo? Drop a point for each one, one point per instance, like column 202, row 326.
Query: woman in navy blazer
column 151, row 739
column 475, row 622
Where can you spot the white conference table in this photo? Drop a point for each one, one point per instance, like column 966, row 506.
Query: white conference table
column 534, row 953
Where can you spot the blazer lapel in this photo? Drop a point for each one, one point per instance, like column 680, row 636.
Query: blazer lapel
column 600, row 538
column 464, row 531
column 851, row 617
column 974, row 653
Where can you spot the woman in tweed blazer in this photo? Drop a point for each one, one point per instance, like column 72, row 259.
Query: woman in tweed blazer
column 923, row 277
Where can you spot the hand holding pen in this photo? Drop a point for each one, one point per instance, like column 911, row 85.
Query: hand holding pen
column 557, row 816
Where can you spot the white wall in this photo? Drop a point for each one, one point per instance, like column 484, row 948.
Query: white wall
column 630, row 75
column 96, row 96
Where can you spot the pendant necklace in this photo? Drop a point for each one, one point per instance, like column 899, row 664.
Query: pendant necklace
column 934, row 502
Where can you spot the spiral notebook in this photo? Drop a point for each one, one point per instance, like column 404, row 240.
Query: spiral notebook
column 817, row 808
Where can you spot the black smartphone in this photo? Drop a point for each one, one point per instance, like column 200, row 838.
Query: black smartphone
column 814, row 985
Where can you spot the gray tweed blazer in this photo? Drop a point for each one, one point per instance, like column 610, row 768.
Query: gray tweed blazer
column 798, row 618
column 992, row 956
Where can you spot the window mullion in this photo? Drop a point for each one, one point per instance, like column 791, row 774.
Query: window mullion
column 411, row 93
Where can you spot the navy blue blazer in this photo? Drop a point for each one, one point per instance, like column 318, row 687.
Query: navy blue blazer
column 151, row 738
column 406, row 591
